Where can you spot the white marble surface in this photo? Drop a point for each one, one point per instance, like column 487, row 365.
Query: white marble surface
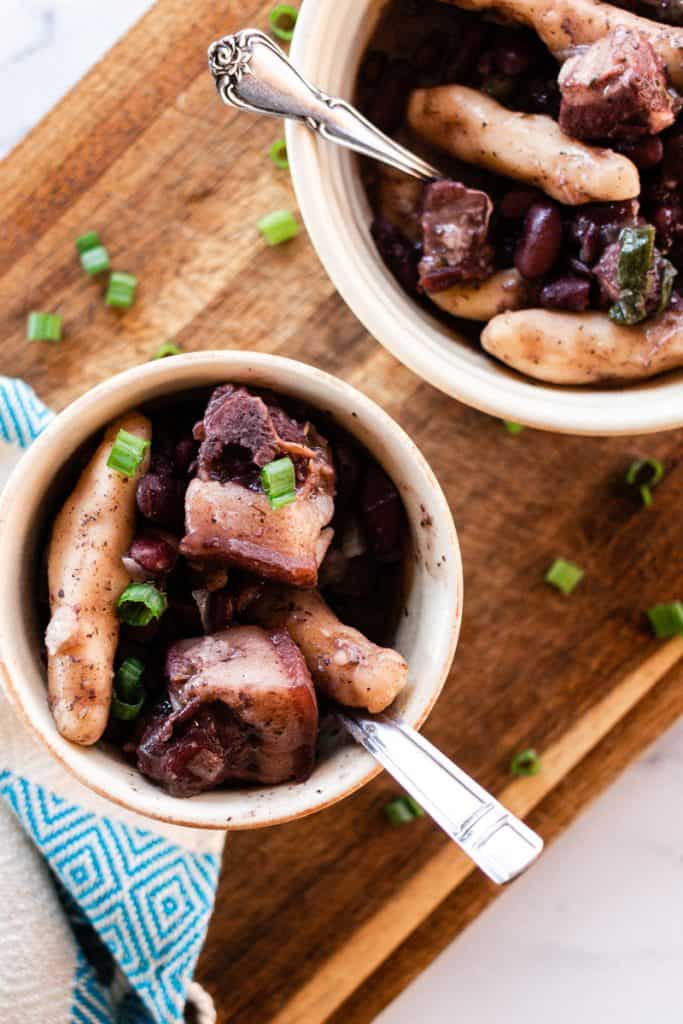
column 594, row 932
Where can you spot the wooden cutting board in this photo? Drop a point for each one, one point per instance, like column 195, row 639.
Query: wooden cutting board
column 328, row 918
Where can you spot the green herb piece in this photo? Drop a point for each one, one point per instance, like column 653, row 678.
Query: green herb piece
column 278, row 479
column 121, row 290
column 645, row 474
column 127, row 712
column 90, row 240
column 95, row 260
column 277, row 227
column 127, row 453
column 282, row 20
column 402, row 810
column 564, row 575
column 526, row 763
column 666, row 284
column 667, row 619
column 278, row 154
column 628, row 310
column 127, row 682
column 512, row 427
column 167, row 349
column 44, row 327
column 636, row 252
column 140, row 603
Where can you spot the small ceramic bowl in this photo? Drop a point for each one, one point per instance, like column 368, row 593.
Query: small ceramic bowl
column 426, row 635
column 327, row 49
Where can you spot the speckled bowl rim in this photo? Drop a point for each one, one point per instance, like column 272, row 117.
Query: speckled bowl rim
column 326, row 49
column 98, row 768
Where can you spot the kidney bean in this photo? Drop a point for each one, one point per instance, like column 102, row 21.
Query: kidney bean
column 544, row 97
column 572, row 293
column 382, row 515
column 184, row 454
column 430, row 53
column 541, row 241
column 513, row 55
column 160, row 495
column 156, row 553
column 399, row 254
column 665, row 221
column 672, row 172
column 645, row 152
column 516, row 204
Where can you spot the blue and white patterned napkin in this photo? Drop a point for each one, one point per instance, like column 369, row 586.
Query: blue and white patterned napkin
column 103, row 912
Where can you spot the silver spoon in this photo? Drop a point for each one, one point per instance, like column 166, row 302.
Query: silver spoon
column 252, row 73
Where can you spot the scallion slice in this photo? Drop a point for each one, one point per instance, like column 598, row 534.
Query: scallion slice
column 44, row 327
column 278, row 154
column 140, row 603
column 124, row 711
column 278, row 479
column 512, row 427
column 402, row 810
column 167, row 349
column 564, row 575
column 645, row 474
column 127, row 453
column 121, row 290
column 526, row 763
column 667, row 619
column 282, row 20
column 127, row 683
column 95, row 260
column 277, row 227
column 90, row 240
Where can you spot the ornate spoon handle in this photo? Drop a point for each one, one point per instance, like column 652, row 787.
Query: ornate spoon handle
column 498, row 842
column 252, row 73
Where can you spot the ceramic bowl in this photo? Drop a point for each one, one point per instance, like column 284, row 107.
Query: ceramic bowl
column 327, row 49
column 426, row 635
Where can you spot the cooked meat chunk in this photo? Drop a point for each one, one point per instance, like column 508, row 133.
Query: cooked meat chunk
column 616, row 89
column 240, row 706
column 344, row 664
column 455, row 227
column 229, row 519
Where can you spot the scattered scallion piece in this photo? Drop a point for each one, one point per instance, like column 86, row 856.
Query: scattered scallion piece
column 44, row 327
column 666, row 619
column 636, row 254
column 127, row 452
column 140, row 603
column 96, row 260
column 125, row 711
column 277, row 227
column 512, row 427
column 278, row 154
column 668, row 276
column 167, row 349
column 645, row 474
column 279, row 482
column 127, row 682
column 121, row 290
column 526, row 763
column 282, row 20
column 564, row 575
column 402, row 810
column 90, row 240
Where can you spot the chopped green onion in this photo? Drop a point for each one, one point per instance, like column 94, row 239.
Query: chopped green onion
column 96, row 260
column 279, row 482
column 629, row 309
column 669, row 274
column 282, row 20
column 277, row 227
column 564, row 575
column 127, row 453
column 278, row 154
column 91, row 240
column 402, row 810
column 526, row 763
column 167, row 349
column 652, row 470
column 140, row 603
column 124, row 711
column 127, row 683
column 44, row 327
column 121, row 290
column 636, row 253
column 667, row 619
column 512, row 427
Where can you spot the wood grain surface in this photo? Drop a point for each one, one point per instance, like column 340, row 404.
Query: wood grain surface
column 143, row 152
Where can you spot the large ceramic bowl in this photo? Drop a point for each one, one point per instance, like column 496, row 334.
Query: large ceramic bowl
column 328, row 44
column 426, row 635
